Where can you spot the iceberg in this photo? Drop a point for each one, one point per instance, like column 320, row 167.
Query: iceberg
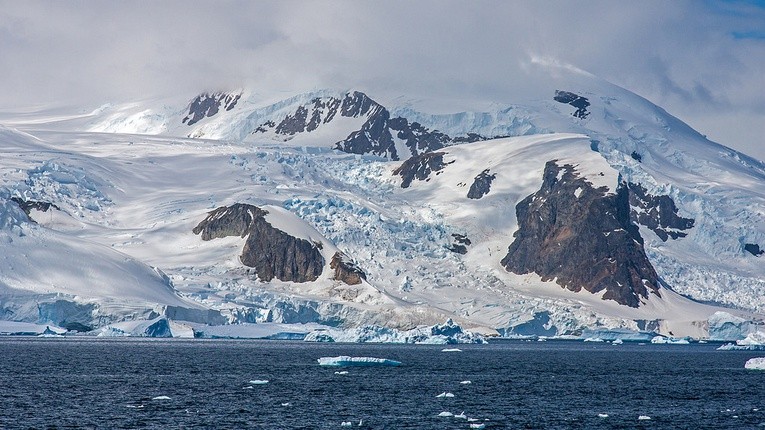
column 477, row 426
column 612, row 334
column 446, row 414
column 752, row 342
column 726, row 327
column 465, row 382
column 757, row 363
column 161, row 398
column 451, row 350
column 444, row 394
column 644, row 418
column 448, row 333
column 259, row 382
column 344, row 360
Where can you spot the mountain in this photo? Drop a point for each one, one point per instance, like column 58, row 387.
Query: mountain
column 587, row 208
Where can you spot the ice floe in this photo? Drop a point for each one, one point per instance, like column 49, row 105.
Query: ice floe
column 446, row 414
column 451, row 350
column 259, row 382
column 757, row 363
column 644, row 418
column 445, row 394
column 344, row 360
column 602, row 415
column 466, row 382
column 161, row 398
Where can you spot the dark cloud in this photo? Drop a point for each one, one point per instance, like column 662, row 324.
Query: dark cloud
column 687, row 56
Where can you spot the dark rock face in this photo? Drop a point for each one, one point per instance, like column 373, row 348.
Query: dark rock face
column 461, row 242
column 580, row 103
column 473, row 137
column 346, row 270
column 420, row 167
column 207, row 105
column 481, row 185
column 637, row 157
column 658, row 213
column 375, row 136
column 28, row 205
column 587, row 242
column 225, row 221
column 270, row 251
column 754, row 249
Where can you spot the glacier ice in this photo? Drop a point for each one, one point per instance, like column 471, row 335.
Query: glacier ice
column 344, row 360
column 440, row 334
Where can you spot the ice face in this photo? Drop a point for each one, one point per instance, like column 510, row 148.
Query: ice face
column 344, row 360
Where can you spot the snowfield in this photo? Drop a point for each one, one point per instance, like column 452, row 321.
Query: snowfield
column 130, row 182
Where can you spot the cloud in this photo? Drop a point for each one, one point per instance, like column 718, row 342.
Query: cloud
column 691, row 57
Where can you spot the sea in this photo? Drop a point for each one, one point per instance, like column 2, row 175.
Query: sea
column 83, row 383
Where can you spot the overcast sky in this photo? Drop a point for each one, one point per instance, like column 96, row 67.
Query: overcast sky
column 703, row 61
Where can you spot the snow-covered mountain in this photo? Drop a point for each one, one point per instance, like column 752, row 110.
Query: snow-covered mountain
column 587, row 208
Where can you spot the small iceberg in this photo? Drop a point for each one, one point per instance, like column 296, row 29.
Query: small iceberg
column 249, row 387
column 757, row 363
column 342, row 372
column 446, row 414
column 477, row 426
column 259, row 382
column 343, row 361
column 466, row 382
column 461, row 415
column 594, row 339
column 287, row 404
column 346, row 424
column 451, row 350
column 617, row 342
column 444, row 394
column 161, row 398
column 644, row 418
column 602, row 415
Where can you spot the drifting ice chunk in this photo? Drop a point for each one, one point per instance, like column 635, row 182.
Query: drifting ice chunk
column 345, row 360
column 446, row 414
column 465, row 382
column 477, row 426
column 603, row 415
column 444, row 394
column 644, row 418
column 342, row 372
column 346, row 424
column 617, row 342
column 161, row 398
column 451, row 350
column 755, row 363
column 259, row 382
column 461, row 415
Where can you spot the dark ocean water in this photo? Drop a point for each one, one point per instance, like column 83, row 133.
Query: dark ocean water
column 110, row 384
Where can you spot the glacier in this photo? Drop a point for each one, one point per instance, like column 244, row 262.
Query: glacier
column 130, row 182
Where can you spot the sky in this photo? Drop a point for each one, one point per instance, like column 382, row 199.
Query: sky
column 703, row 61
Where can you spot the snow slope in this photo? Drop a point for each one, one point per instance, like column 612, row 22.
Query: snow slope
column 129, row 201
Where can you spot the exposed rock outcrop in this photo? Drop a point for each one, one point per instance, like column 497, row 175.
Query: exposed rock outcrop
column 461, row 242
column 658, row 213
column 209, row 104
column 420, row 167
column 481, row 185
column 346, row 270
column 580, row 103
column 583, row 237
column 376, row 136
column 270, row 251
column 29, row 205
column 754, row 249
